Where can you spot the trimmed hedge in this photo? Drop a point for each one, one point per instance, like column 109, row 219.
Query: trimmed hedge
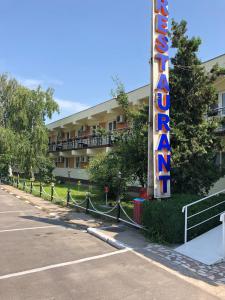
column 165, row 220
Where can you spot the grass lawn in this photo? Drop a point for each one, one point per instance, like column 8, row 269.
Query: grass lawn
column 78, row 194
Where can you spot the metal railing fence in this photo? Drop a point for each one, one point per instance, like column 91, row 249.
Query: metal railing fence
column 188, row 216
column 117, row 212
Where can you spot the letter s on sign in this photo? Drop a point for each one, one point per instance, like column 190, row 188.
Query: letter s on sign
column 161, row 43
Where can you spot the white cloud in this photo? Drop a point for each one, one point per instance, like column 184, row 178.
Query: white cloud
column 33, row 83
column 54, row 82
column 71, row 106
column 67, row 107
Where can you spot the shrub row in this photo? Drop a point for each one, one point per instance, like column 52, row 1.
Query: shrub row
column 165, row 220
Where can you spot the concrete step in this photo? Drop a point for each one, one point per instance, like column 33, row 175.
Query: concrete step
column 206, row 248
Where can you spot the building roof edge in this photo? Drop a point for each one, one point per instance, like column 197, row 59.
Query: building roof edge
column 50, row 124
column 214, row 58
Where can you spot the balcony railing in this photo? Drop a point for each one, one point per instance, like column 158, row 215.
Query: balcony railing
column 217, row 112
column 81, row 143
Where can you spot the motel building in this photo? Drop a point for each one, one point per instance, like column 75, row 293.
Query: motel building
column 73, row 141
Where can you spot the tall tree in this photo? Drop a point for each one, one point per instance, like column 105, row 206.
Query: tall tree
column 131, row 145
column 130, row 152
column 22, row 120
column 195, row 144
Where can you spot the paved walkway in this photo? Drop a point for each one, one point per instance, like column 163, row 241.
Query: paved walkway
column 46, row 253
column 166, row 255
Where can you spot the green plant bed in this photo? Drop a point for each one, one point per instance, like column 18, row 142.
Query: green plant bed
column 78, row 194
column 165, row 220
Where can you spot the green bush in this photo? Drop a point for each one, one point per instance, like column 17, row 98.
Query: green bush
column 104, row 170
column 165, row 220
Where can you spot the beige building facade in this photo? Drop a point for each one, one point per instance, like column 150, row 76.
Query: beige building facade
column 74, row 140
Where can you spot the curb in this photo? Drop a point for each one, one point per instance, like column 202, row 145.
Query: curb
column 111, row 241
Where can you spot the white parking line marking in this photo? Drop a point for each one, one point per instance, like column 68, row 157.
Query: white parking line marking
column 28, row 228
column 14, row 211
column 69, row 263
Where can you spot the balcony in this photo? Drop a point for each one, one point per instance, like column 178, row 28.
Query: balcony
column 217, row 112
column 220, row 130
column 81, row 143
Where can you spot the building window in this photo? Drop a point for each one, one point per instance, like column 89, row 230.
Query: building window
column 94, row 129
column 66, row 162
column 112, row 126
column 77, row 162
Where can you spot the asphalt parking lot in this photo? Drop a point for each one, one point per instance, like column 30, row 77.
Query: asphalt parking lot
column 45, row 258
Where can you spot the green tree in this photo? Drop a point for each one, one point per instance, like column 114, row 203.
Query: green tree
column 8, row 151
column 130, row 152
column 194, row 142
column 108, row 170
column 24, row 136
column 121, row 97
column 131, row 145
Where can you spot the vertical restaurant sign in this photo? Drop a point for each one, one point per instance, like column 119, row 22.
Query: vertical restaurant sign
column 161, row 100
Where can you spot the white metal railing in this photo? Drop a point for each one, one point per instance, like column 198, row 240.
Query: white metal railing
column 217, row 112
column 222, row 219
column 188, row 217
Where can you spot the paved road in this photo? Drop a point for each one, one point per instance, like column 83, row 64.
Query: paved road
column 43, row 258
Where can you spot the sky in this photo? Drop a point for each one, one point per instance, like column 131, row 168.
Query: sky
column 78, row 46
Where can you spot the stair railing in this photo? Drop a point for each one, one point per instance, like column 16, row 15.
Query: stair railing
column 187, row 217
